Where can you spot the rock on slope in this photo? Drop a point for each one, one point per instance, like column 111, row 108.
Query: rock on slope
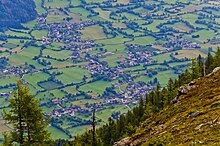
column 194, row 120
column 14, row 12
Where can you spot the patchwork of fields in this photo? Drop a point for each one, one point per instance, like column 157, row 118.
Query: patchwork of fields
column 78, row 53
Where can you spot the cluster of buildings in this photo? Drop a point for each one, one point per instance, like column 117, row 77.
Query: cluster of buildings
column 181, row 44
column 16, row 70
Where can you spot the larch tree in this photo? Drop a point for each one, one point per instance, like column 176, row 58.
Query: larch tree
column 29, row 123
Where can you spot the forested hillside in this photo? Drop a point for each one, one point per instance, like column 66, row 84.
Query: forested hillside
column 14, row 12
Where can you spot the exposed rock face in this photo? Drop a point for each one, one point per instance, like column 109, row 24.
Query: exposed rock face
column 214, row 71
column 183, row 90
column 123, row 142
column 14, row 12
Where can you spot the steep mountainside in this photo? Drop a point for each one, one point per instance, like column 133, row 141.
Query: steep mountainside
column 193, row 120
column 14, row 12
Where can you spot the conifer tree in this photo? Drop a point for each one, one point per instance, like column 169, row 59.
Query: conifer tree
column 93, row 127
column 200, row 64
column 217, row 58
column 27, row 119
column 209, row 63
column 141, row 109
column 195, row 70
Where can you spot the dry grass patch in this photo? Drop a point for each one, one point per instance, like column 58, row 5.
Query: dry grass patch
column 189, row 9
column 16, row 50
column 119, row 25
column 189, row 54
column 182, row 28
column 3, row 49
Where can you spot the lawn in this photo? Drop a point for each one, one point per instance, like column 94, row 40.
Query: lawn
column 205, row 34
column 50, row 85
column 153, row 25
column 125, row 2
column 95, row 1
column 179, row 63
column 81, row 11
column 71, row 90
column 18, row 34
column 113, row 59
column 146, row 40
column 75, row 2
column 38, row 34
column 191, row 18
column 35, row 78
column 5, row 80
column 118, row 25
column 71, row 75
column 106, row 113
column 162, row 57
column 94, row 32
column 56, row 17
column 58, row 93
column 56, row 3
column 189, row 54
column 56, row 133
column 113, row 41
column 164, row 76
column 59, row 64
column 64, row 54
column 96, row 88
column 78, row 130
column 26, row 56
column 103, row 14
column 143, row 78
column 39, row 8
column 85, row 101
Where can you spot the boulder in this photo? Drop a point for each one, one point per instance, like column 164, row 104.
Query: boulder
column 195, row 114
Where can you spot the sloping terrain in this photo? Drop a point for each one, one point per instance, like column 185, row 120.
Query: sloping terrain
column 14, row 12
column 194, row 120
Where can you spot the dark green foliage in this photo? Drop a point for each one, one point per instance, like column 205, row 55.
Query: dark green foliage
column 212, row 62
column 3, row 62
column 14, row 12
column 209, row 63
column 27, row 119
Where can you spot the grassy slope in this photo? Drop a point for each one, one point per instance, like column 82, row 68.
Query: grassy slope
column 176, row 126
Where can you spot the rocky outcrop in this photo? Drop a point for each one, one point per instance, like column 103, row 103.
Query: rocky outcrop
column 183, row 90
column 214, row 71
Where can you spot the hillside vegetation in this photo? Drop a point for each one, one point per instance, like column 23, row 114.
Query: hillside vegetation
column 14, row 12
column 194, row 120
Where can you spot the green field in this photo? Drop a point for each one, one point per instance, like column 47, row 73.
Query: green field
column 38, row 34
column 49, row 85
column 33, row 79
column 97, row 87
column 56, row 133
column 93, row 33
column 56, row 3
column 71, row 75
